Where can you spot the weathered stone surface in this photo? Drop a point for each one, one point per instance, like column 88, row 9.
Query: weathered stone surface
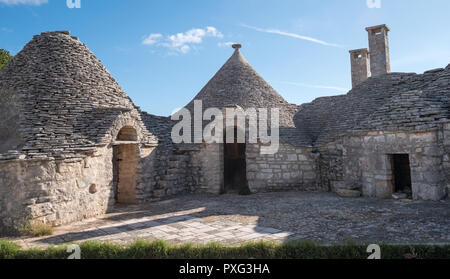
column 54, row 192
column 368, row 161
column 379, row 50
column 292, row 168
column 345, row 185
column 348, row 193
column 360, row 65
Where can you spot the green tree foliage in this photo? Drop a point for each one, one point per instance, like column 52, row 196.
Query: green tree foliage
column 5, row 57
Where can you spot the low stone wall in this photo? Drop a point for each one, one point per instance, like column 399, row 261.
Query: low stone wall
column 55, row 192
column 366, row 159
column 59, row 192
column 292, row 168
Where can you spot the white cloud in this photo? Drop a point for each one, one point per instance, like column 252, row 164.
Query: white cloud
column 185, row 49
column 24, row 2
column 292, row 35
column 225, row 44
column 183, row 42
column 152, row 39
column 213, row 32
column 341, row 89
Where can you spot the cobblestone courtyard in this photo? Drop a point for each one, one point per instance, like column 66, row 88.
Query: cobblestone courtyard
column 232, row 219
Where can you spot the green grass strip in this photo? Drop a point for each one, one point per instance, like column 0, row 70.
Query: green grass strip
column 142, row 249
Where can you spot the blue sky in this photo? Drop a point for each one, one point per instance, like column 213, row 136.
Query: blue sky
column 163, row 52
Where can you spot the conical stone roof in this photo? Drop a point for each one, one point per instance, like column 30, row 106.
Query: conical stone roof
column 238, row 84
column 56, row 98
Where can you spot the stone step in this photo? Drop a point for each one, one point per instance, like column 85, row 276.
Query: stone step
column 345, row 185
column 344, row 193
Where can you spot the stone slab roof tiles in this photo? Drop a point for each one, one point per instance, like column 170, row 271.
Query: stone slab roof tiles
column 238, row 84
column 375, row 104
column 159, row 126
column 58, row 100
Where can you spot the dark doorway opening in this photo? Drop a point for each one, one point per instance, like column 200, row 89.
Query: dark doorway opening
column 401, row 169
column 235, row 167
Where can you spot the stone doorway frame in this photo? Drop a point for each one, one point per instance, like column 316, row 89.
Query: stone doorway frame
column 126, row 144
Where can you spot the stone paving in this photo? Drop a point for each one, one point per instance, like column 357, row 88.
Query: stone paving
column 232, row 219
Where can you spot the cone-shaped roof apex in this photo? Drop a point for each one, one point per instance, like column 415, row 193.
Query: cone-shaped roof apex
column 237, row 83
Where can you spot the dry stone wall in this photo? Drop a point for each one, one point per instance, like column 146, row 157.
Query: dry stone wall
column 365, row 159
column 207, row 167
column 292, row 168
column 55, row 191
column 330, row 166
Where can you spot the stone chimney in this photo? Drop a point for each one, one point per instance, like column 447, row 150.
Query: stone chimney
column 379, row 50
column 360, row 63
column 236, row 46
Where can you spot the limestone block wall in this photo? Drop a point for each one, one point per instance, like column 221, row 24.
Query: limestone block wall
column 59, row 192
column 164, row 172
column 366, row 159
column 330, row 166
column 148, row 173
column 55, row 192
column 292, row 168
column 207, row 168
column 446, row 156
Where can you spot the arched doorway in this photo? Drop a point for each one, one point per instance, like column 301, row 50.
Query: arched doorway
column 126, row 164
column 235, row 165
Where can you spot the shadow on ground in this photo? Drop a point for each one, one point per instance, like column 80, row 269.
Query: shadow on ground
column 320, row 217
